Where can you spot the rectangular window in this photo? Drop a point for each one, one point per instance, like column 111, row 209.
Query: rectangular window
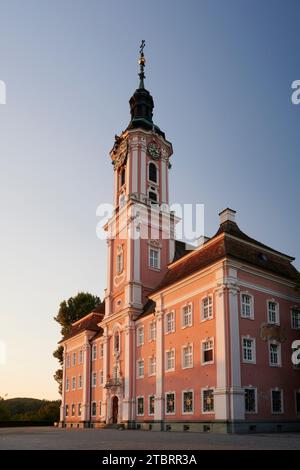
column 140, row 406
column 208, row 351
column 94, row 379
column 207, row 308
column 250, row 400
column 94, row 352
column 274, row 354
column 101, row 377
column 67, row 410
column 277, row 402
column 79, row 381
column 170, row 403
column 187, row 356
column 154, row 261
column 68, row 360
column 170, row 360
column 247, row 307
column 94, row 408
column 151, row 405
column 67, row 384
column 152, row 365
column 273, row 312
column 79, row 409
column 140, row 369
column 248, row 350
column 73, row 383
column 152, row 331
column 100, row 408
column 140, row 336
column 295, row 314
column 81, row 357
column 298, row 403
column 101, row 350
column 188, row 402
column 73, row 409
column 187, row 316
column 170, row 322
column 208, row 401
column 74, row 359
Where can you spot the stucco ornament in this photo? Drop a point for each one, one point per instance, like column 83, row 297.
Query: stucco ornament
column 120, row 154
column 272, row 332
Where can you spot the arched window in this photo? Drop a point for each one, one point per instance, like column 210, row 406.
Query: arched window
column 153, row 197
column 152, row 172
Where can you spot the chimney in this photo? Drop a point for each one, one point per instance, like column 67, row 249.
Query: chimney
column 227, row 215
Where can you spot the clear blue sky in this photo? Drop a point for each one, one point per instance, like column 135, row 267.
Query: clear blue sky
column 220, row 74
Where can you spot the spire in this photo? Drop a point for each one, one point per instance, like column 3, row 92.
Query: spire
column 142, row 62
column 141, row 103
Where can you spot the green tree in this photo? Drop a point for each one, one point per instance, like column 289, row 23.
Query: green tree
column 4, row 412
column 70, row 311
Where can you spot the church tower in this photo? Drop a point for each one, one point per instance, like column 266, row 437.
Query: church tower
column 140, row 237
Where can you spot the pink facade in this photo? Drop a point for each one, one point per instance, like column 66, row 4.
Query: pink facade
column 195, row 340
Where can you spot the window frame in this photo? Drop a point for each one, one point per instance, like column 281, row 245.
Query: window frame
column 190, row 315
column 185, row 346
column 140, row 339
column 282, row 402
column 140, row 397
column 170, row 413
column 173, row 350
column 253, row 340
column 93, row 415
column 152, row 337
column 94, row 382
column 277, row 314
column 138, row 376
column 149, row 402
column 206, row 340
column 276, row 343
column 255, row 400
column 210, row 308
column 150, row 258
column 182, row 402
column 173, row 329
column 295, row 310
column 203, row 390
column 251, row 296
column 150, row 364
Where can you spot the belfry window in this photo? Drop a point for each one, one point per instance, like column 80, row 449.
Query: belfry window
column 153, row 197
column 152, row 172
column 117, row 342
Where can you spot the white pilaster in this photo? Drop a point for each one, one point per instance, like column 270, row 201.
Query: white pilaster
column 134, row 170
column 159, row 395
column 86, row 381
column 143, row 174
column 105, row 371
column 63, row 391
column 126, row 408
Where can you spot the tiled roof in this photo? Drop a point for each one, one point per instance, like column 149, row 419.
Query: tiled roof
column 231, row 245
column 89, row 322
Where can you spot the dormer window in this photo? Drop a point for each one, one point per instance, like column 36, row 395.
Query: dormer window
column 152, row 172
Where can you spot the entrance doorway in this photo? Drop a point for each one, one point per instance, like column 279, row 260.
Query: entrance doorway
column 115, row 408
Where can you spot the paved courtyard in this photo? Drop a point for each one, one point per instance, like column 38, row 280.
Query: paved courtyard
column 113, row 439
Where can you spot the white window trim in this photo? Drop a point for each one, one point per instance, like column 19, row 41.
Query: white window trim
column 101, row 348
column 251, row 317
column 92, row 414
column 291, row 316
column 137, row 369
column 277, row 312
column 137, row 408
column 203, row 363
column 149, row 396
column 101, row 374
column 183, row 326
column 166, row 322
column 279, row 364
column 73, row 380
column 94, row 374
column 79, row 414
column 246, row 361
column 249, row 387
column 94, row 348
column 202, row 319
column 166, row 360
column 282, row 402
column 182, row 356
column 151, row 374
column 174, row 412
column 100, row 408
column 158, row 251
column 182, row 402
column 80, row 386
column 149, row 332
column 73, row 357
column 202, row 401
column 138, row 343
column 73, row 405
column 67, row 384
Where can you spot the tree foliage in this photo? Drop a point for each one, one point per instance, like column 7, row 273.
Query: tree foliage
column 70, row 311
column 29, row 409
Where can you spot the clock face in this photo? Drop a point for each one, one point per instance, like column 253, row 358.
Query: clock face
column 154, row 151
